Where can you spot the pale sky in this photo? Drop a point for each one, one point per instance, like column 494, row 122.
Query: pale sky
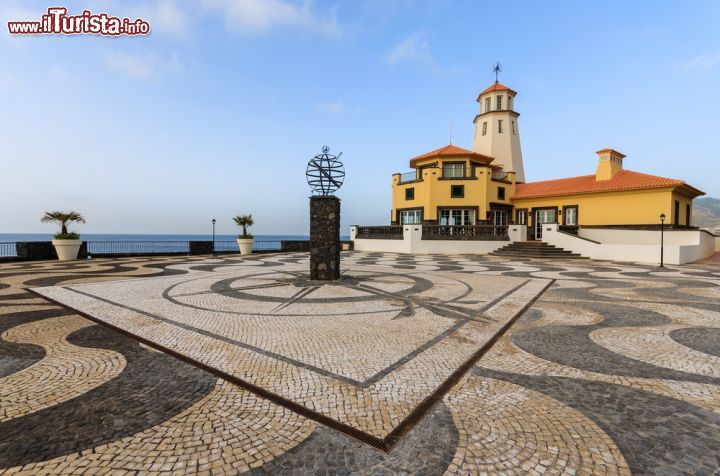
column 218, row 111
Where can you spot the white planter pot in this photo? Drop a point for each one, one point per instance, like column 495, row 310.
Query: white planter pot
column 67, row 249
column 246, row 245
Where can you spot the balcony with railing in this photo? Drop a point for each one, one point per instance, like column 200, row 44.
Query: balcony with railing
column 413, row 176
column 500, row 176
column 465, row 232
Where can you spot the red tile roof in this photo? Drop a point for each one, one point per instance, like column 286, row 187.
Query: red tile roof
column 623, row 180
column 451, row 151
column 497, row 87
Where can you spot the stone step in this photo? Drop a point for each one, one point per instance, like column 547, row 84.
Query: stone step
column 521, row 250
column 537, row 249
column 537, row 255
column 533, row 247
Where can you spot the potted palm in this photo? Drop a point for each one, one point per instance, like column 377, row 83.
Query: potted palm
column 66, row 243
column 246, row 240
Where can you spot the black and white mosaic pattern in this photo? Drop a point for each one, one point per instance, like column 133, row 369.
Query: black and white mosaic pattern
column 613, row 370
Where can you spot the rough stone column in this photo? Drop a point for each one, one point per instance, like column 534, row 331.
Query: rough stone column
column 325, row 238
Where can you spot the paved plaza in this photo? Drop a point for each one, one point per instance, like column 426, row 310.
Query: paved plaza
column 408, row 364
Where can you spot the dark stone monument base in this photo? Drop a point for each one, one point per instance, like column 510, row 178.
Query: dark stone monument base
column 325, row 238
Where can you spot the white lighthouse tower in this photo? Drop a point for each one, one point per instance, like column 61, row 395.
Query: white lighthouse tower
column 497, row 133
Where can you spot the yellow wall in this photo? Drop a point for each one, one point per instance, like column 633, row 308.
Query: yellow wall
column 434, row 191
column 684, row 200
column 634, row 207
column 630, row 207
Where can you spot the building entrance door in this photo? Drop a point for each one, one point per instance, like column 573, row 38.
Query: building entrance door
column 542, row 217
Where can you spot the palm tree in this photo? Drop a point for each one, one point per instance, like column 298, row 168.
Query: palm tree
column 244, row 221
column 63, row 218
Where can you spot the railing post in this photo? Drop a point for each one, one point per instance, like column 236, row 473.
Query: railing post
column 517, row 232
column 412, row 237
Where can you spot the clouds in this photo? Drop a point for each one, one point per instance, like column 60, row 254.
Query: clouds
column 140, row 66
column 261, row 17
column 165, row 16
column 703, row 62
column 415, row 49
column 175, row 18
column 332, row 107
column 132, row 66
column 251, row 18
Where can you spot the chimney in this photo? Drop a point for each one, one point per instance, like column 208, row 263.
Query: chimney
column 610, row 162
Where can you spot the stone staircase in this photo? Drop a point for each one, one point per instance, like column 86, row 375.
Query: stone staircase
column 534, row 249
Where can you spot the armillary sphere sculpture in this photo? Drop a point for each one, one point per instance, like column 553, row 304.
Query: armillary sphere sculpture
column 325, row 173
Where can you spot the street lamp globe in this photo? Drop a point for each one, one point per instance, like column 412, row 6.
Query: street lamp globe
column 662, row 217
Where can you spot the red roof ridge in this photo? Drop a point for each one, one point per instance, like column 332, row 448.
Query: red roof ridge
column 496, row 86
column 451, row 150
column 623, row 180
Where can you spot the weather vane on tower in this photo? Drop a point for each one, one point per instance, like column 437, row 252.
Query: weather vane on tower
column 497, row 69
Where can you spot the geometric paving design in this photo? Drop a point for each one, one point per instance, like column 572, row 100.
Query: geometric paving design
column 612, row 370
column 364, row 352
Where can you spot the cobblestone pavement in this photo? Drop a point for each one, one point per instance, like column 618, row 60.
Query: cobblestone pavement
column 614, row 369
column 364, row 351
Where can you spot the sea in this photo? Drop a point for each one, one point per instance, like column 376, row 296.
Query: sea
column 14, row 237
column 116, row 243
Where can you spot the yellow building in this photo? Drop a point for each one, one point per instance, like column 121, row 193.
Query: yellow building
column 486, row 185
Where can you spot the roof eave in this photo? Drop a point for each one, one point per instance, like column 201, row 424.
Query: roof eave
column 613, row 190
column 695, row 192
column 478, row 157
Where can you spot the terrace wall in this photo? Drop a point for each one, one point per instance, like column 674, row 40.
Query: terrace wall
column 638, row 246
column 412, row 242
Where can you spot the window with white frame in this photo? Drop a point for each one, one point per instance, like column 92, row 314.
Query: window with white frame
column 500, row 126
column 500, row 217
column 487, row 104
column 453, row 170
column 522, row 217
column 410, row 217
column 499, row 103
column 484, row 129
column 571, row 216
column 457, row 216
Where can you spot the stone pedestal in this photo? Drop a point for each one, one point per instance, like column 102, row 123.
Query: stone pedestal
column 325, row 238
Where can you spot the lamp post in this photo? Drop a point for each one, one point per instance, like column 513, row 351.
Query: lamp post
column 662, row 230
column 213, row 223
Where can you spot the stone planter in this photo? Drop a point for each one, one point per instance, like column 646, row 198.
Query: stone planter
column 67, row 250
column 245, row 245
